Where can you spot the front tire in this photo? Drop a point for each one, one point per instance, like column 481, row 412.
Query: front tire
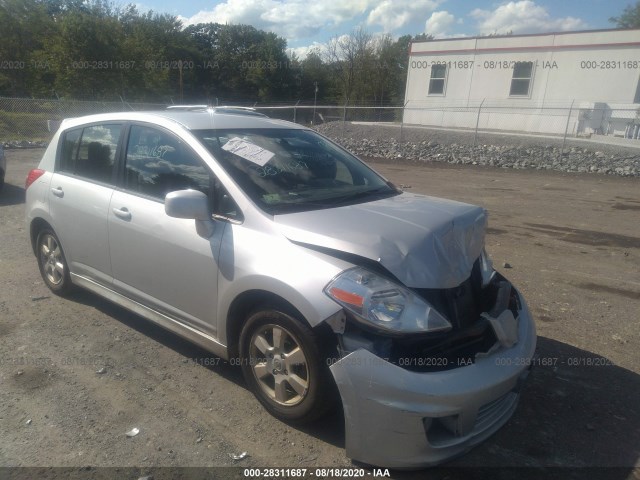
column 52, row 263
column 283, row 365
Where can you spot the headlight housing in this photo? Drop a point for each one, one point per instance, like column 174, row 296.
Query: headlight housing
column 486, row 268
column 381, row 303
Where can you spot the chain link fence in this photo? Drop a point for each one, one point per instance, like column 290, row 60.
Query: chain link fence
column 37, row 119
column 315, row 115
column 473, row 122
column 574, row 119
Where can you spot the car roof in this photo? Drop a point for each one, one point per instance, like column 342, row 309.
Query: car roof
column 196, row 119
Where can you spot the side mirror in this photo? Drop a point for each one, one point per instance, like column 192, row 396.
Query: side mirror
column 191, row 204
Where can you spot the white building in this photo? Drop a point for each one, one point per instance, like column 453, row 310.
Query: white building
column 582, row 82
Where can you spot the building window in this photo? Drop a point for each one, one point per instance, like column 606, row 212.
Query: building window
column 521, row 80
column 438, row 76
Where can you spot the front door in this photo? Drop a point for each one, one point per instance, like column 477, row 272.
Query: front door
column 158, row 260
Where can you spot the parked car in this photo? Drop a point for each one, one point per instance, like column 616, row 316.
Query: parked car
column 272, row 247
column 3, row 166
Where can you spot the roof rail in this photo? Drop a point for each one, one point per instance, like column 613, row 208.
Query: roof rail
column 239, row 110
column 187, row 107
column 236, row 110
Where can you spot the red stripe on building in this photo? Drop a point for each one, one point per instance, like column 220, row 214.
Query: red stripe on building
column 525, row 49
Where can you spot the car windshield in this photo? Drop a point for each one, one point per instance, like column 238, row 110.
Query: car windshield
column 292, row 170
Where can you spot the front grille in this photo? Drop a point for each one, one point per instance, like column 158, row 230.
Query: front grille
column 461, row 305
column 445, row 431
column 437, row 352
column 489, row 413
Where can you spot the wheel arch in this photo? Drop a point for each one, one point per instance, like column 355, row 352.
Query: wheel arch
column 37, row 225
column 244, row 304
column 250, row 300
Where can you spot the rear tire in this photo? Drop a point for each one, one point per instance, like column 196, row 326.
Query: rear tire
column 283, row 365
column 52, row 263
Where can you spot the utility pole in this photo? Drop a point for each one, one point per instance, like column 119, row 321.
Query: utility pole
column 315, row 100
column 181, row 84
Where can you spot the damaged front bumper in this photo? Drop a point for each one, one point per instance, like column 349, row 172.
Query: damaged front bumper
column 399, row 418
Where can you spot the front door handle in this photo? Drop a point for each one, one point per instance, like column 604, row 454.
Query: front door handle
column 58, row 192
column 122, row 213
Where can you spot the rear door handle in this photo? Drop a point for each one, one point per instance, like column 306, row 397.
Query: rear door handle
column 122, row 213
column 58, row 192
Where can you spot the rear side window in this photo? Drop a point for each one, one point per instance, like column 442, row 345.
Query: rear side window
column 158, row 163
column 90, row 152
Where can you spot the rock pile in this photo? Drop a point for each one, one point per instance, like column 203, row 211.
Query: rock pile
column 24, row 144
column 366, row 142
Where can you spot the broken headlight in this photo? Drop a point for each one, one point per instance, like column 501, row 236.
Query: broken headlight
column 486, row 268
column 376, row 301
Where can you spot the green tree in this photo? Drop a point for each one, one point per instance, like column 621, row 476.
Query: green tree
column 349, row 58
column 149, row 46
column 243, row 63
column 97, row 49
column 423, row 37
column 630, row 17
column 81, row 52
column 314, row 73
column 25, row 25
column 389, row 77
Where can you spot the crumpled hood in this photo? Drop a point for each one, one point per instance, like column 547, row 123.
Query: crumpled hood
column 426, row 242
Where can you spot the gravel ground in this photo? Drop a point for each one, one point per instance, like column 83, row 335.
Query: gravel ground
column 505, row 151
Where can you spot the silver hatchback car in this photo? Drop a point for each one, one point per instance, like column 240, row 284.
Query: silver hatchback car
column 267, row 244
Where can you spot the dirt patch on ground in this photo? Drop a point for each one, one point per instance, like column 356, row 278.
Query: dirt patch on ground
column 573, row 253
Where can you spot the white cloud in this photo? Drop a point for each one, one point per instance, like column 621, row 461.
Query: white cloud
column 302, row 52
column 321, row 47
column 394, row 14
column 438, row 23
column 292, row 19
column 523, row 16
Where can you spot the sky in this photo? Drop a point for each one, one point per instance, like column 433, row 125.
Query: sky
column 309, row 23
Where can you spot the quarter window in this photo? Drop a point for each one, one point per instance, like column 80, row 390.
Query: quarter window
column 70, row 150
column 438, row 77
column 521, row 80
column 90, row 152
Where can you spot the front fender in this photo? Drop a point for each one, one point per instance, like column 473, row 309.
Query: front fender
column 250, row 260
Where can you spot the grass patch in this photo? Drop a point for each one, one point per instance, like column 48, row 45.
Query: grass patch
column 24, row 126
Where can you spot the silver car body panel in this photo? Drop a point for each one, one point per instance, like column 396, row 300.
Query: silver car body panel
column 425, row 242
column 262, row 259
column 172, row 255
column 80, row 212
column 196, row 336
column 388, row 410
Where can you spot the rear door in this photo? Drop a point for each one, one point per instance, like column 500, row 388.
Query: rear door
column 158, row 260
column 79, row 196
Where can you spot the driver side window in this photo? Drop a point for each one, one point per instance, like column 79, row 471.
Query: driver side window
column 158, row 163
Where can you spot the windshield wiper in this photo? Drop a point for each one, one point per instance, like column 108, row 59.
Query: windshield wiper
column 375, row 192
column 328, row 202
